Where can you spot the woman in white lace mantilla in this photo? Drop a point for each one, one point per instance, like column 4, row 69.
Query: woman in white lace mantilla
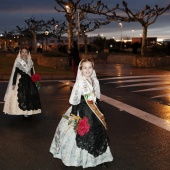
column 92, row 148
column 22, row 97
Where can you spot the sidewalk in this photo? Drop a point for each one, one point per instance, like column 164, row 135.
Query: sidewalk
column 103, row 70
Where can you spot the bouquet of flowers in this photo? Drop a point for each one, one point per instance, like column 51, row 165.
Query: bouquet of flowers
column 36, row 79
column 81, row 126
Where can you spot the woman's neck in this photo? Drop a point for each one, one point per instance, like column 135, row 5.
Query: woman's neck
column 24, row 58
column 89, row 79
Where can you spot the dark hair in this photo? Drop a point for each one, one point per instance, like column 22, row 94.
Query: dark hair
column 85, row 60
column 24, row 48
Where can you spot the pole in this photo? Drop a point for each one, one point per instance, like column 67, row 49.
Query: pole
column 121, row 35
column 46, row 43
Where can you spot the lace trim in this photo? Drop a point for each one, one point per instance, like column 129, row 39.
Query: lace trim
column 25, row 67
column 78, row 88
column 28, row 97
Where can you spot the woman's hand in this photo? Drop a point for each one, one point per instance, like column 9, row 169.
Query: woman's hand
column 13, row 87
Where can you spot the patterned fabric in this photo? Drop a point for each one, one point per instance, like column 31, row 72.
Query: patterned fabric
column 91, row 149
column 24, row 99
column 64, row 147
column 96, row 140
column 81, row 83
column 28, row 97
column 25, row 67
column 11, row 105
column 18, row 64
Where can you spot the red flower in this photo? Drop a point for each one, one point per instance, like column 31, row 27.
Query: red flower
column 35, row 77
column 83, row 126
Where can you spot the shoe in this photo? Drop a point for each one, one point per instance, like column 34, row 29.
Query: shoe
column 27, row 117
column 104, row 165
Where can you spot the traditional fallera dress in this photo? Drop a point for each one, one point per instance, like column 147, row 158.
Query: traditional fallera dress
column 24, row 99
column 91, row 149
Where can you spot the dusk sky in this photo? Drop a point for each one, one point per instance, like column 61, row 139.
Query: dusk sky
column 15, row 12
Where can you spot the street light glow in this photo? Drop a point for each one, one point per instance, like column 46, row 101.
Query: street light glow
column 133, row 33
column 121, row 25
column 68, row 9
column 46, row 32
column 56, row 26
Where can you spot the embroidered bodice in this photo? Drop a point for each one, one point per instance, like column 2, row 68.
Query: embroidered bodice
column 83, row 87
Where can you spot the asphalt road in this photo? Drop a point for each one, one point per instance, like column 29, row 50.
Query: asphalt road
column 139, row 125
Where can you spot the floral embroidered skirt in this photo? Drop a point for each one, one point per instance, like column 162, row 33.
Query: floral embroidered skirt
column 64, row 146
column 16, row 105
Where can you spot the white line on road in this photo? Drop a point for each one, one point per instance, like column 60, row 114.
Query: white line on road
column 133, row 111
column 129, row 109
column 138, row 113
column 152, row 89
column 139, row 80
column 126, row 77
column 146, row 84
column 163, row 95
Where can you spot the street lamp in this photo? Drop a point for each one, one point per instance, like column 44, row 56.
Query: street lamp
column 121, row 25
column 133, row 33
column 46, row 33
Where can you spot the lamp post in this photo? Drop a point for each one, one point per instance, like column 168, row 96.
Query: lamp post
column 69, row 19
column 1, row 35
column 46, row 33
column 121, row 25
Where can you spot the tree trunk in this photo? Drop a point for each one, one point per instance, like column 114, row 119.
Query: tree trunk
column 144, row 37
column 35, row 43
column 70, row 33
column 85, row 41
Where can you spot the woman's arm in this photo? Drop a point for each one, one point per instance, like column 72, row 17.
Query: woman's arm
column 14, row 78
column 74, row 110
column 32, row 71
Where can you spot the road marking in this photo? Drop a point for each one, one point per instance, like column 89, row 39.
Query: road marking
column 152, row 89
column 163, row 95
column 157, row 80
column 138, row 80
column 138, row 113
column 145, row 84
column 132, row 110
column 127, row 108
column 126, row 77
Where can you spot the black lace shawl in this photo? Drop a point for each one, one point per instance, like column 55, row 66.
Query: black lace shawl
column 28, row 96
column 96, row 140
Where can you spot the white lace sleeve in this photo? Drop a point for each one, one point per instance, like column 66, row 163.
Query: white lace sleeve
column 76, row 94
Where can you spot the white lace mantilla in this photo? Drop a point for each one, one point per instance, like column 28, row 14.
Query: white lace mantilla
column 25, row 67
column 83, row 87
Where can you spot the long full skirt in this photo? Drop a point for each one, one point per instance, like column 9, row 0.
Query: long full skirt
column 17, row 102
column 64, row 146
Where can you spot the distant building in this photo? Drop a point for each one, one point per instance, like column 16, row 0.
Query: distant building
column 166, row 41
column 149, row 40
